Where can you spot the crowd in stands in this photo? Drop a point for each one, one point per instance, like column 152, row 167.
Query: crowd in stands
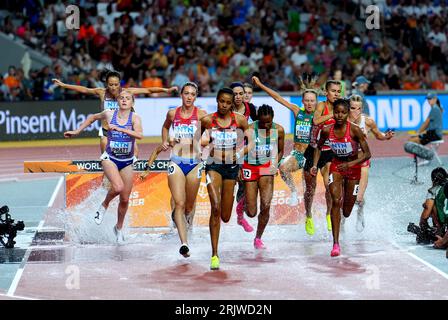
column 165, row 43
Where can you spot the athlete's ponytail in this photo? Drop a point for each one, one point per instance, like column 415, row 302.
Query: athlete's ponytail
column 307, row 83
column 224, row 90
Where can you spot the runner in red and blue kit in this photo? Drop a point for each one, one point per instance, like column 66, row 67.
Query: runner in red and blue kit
column 345, row 170
column 185, row 168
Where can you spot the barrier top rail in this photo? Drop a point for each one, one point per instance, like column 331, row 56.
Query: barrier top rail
column 85, row 166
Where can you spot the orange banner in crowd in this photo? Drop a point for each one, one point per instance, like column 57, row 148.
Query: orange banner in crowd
column 150, row 199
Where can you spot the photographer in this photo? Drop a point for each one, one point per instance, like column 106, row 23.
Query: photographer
column 434, row 207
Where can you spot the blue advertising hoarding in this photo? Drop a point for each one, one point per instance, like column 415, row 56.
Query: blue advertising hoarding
column 399, row 112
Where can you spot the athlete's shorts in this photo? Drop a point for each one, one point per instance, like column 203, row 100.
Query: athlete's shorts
column 121, row 164
column 352, row 173
column 102, row 132
column 185, row 164
column 365, row 164
column 429, row 136
column 227, row 171
column 253, row 173
column 325, row 157
column 300, row 158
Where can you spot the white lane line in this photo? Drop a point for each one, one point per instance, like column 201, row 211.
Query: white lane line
column 9, row 179
column 15, row 281
column 17, row 297
column 429, row 265
column 55, row 192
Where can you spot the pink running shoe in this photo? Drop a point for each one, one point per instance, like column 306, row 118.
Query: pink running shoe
column 240, row 216
column 258, row 244
column 246, row 226
column 336, row 250
column 240, row 209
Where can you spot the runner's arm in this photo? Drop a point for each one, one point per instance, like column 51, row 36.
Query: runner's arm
column 360, row 137
column 90, row 119
column 291, row 106
column 281, row 143
column 318, row 117
column 151, row 90
column 81, row 89
column 376, row 132
column 137, row 133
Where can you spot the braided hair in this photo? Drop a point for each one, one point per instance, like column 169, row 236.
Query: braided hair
column 265, row 110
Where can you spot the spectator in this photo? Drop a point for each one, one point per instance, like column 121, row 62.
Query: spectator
column 102, row 27
column 360, row 86
column 4, row 90
column 232, row 32
column 432, row 128
column 151, row 79
column 434, row 207
column 180, row 77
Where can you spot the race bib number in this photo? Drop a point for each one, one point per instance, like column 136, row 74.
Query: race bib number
column 247, row 173
column 263, row 151
column 110, row 105
column 303, row 131
column 342, row 148
column 120, row 147
column 184, row 131
column 224, row 140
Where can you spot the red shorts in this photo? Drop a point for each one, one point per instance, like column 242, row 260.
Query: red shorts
column 365, row 164
column 352, row 173
column 253, row 173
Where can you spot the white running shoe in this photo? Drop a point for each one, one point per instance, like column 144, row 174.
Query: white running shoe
column 360, row 222
column 293, row 200
column 119, row 235
column 99, row 215
column 184, row 250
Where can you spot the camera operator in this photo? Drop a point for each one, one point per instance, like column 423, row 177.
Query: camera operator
column 434, row 207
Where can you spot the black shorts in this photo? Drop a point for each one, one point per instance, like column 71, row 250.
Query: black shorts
column 227, row 171
column 429, row 136
column 325, row 157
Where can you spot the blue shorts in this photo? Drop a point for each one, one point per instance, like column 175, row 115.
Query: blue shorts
column 121, row 164
column 185, row 164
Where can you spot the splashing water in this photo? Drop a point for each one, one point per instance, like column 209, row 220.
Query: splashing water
column 79, row 223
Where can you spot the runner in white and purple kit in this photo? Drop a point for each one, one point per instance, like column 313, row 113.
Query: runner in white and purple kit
column 124, row 126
